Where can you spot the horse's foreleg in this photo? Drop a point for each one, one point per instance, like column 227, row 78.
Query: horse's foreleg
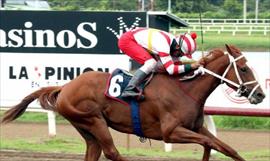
column 183, row 135
column 206, row 153
column 226, row 149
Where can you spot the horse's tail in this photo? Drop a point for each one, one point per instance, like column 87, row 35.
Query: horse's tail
column 46, row 96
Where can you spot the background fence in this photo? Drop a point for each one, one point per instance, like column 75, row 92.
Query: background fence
column 226, row 21
column 233, row 26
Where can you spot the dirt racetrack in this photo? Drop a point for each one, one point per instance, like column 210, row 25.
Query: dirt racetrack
column 242, row 141
column 28, row 156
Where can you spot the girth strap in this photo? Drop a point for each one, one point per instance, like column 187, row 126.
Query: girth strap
column 135, row 116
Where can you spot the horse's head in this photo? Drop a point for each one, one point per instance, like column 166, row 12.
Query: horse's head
column 240, row 73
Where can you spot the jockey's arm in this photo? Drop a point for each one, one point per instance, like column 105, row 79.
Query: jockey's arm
column 172, row 68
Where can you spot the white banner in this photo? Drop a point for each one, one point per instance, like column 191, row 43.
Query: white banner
column 21, row 74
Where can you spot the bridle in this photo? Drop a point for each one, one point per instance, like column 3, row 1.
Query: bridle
column 241, row 86
column 181, row 40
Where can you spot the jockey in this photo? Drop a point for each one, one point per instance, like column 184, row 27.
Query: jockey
column 151, row 47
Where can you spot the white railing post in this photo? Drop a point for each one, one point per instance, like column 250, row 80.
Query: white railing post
column 51, row 123
column 210, row 125
column 168, row 147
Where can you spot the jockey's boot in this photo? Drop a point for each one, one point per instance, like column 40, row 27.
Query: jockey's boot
column 131, row 90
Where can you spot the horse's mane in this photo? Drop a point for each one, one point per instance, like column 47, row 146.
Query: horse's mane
column 213, row 55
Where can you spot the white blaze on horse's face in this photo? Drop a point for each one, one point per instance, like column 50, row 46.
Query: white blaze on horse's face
column 246, row 84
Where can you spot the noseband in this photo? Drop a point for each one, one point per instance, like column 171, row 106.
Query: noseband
column 241, row 86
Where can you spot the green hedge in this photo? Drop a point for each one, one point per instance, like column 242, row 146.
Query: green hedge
column 241, row 122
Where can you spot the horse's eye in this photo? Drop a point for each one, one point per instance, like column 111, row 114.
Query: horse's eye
column 244, row 69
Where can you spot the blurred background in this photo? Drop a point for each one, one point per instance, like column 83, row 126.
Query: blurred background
column 224, row 9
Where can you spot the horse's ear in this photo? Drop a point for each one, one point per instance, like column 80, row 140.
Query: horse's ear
column 228, row 49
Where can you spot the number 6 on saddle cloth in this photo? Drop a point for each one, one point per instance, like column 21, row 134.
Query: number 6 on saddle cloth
column 115, row 86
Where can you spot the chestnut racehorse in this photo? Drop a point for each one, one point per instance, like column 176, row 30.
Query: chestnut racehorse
column 172, row 111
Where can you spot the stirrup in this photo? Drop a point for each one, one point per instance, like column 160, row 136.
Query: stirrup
column 130, row 93
column 133, row 92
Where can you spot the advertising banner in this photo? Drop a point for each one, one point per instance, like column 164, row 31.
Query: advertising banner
column 21, row 74
column 65, row 32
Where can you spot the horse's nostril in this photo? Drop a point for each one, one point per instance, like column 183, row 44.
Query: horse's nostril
column 260, row 95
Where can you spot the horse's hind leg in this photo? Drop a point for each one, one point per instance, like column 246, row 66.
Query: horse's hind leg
column 101, row 132
column 97, row 127
column 86, row 115
column 93, row 149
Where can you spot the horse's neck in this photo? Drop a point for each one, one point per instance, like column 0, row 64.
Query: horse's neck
column 208, row 83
